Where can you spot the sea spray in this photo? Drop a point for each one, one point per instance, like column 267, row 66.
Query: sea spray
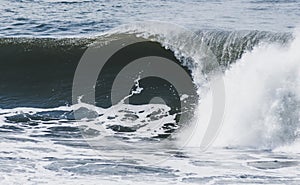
column 263, row 98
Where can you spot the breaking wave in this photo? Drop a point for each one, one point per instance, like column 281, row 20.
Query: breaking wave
column 261, row 71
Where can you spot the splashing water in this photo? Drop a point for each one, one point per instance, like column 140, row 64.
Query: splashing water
column 263, row 98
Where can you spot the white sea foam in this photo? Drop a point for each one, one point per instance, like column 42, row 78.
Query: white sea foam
column 263, row 98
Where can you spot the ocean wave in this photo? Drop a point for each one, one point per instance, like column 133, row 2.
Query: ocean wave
column 260, row 72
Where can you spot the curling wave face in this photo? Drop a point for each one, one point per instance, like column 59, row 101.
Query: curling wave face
column 260, row 69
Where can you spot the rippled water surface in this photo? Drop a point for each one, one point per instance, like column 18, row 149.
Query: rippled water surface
column 89, row 17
